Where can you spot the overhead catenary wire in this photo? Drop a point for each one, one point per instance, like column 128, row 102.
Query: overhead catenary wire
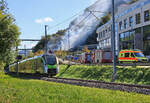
column 83, row 19
column 66, row 20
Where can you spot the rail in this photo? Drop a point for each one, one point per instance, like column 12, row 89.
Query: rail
column 142, row 89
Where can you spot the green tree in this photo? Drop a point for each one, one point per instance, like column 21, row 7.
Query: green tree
column 92, row 39
column 9, row 34
column 52, row 39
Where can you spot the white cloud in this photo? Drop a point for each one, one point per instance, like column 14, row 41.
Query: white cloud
column 48, row 19
column 44, row 20
column 39, row 21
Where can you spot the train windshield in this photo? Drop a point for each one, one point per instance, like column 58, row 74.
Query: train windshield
column 139, row 55
column 51, row 60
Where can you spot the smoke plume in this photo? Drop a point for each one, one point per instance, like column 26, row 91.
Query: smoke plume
column 80, row 28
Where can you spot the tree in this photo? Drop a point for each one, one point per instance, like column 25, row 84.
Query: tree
column 9, row 35
column 105, row 19
column 53, row 40
column 40, row 52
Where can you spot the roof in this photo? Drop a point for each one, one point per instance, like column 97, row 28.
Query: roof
column 130, row 50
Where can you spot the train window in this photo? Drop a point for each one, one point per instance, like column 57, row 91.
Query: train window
column 126, row 54
column 51, row 59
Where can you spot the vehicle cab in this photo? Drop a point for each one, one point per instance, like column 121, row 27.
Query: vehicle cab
column 51, row 64
column 131, row 56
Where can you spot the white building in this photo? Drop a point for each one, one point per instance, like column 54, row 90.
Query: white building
column 132, row 28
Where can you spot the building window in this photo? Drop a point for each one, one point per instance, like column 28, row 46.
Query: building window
column 120, row 25
column 147, row 15
column 131, row 21
column 138, row 18
column 127, row 36
column 103, row 34
column 110, row 28
column 106, row 30
column 125, row 23
column 104, row 42
column 99, row 35
column 109, row 41
column 146, row 39
column 132, row 35
column 122, row 37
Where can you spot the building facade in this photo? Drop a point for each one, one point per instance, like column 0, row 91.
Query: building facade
column 104, row 36
column 132, row 26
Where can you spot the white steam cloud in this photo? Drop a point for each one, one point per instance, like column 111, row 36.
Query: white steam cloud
column 44, row 20
column 85, row 24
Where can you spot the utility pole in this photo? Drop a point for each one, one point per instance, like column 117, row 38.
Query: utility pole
column 113, row 42
column 68, row 40
column 17, row 65
column 91, row 12
column 25, row 51
column 46, row 38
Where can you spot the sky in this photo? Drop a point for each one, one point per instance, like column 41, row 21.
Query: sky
column 32, row 15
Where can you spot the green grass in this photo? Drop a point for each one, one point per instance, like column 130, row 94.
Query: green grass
column 139, row 75
column 14, row 90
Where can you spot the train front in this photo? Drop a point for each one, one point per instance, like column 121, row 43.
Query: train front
column 51, row 65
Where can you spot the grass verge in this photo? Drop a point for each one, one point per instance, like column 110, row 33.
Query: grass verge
column 138, row 75
column 14, row 90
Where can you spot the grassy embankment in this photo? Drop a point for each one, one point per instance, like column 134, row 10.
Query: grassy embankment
column 14, row 90
column 138, row 75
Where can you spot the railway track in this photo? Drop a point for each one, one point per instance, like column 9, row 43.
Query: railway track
column 142, row 89
column 110, row 64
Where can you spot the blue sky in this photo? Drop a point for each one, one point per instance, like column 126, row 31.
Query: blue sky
column 32, row 15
